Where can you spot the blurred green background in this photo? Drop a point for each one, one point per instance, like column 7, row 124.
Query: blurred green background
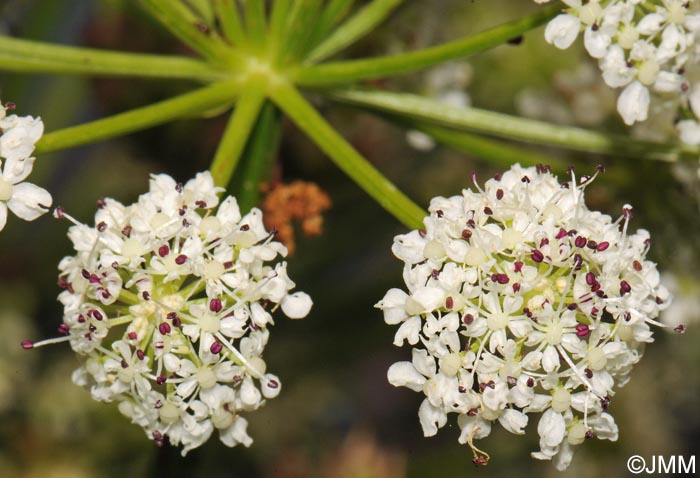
column 338, row 416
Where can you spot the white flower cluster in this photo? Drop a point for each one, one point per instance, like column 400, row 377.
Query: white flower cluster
column 18, row 135
column 520, row 300
column 169, row 302
column 641, row 46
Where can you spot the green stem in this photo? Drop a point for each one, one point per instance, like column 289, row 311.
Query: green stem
column 332, row 14
column 488, row 149
column 140, row 118
column 255, row 23
column 237, row 131
column 33, row 56
column 182, row 23
column 344, row 72
column 259, row 158
column 230, row 21
column 345, row 156
column 353, row 29
column 513, row 127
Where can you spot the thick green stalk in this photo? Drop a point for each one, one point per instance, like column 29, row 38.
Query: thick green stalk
column 230, row 21
column 182, row 23
column 33, row 56
column 343, row 72
column 259, row 158
column 353, row 29
column 332, row 14
column 513, row 127
column 140, row 118
column 345, row 156
column 237, row 132
column 255, row 23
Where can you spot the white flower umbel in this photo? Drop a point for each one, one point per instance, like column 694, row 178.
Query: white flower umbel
column 642, row 47
column 168, row 301
column 520, row 300
column 18, row 135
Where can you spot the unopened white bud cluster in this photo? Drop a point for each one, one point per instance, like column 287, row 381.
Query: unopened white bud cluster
column 168, row 301
column 643, row 47
column 520, row 300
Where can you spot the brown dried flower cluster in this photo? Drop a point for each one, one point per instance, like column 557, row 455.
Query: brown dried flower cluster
column 299, row 201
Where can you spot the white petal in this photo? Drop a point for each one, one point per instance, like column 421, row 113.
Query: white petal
column 297, row 305
column 3, row 215
column 404, row 374
column 633, row 103
column 596, row 42
column 431, row 418
column 513, row 421
column 550, row 359
column 689, row 132
column 29, row 201
column 562, row 31
column 551, row 428
column 409, row 330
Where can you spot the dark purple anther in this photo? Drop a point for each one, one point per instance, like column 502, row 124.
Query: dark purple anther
column 146, row 295
column 488, row 211
column 179, row 260
column 96, row 314
column 518, row 266
column 132, row 336
column 101, row 203
column 466, row 234
column 124, row 363
column 499, row 194
column 592, row 244
column 140, row 354
column 530, row 382
column 590, row 278
column 102, row 226
column 603, row 246
column 160, row 380
column 273, row 384
column 503, row 279
column 127, row 231
column 59, row 212
column 164, row 328
column 85, row 273
column 578, row 262
column 201, row 204
column 449, row 303
column 588, row 372
column 516, row 287
column 625, row 287
column 472, row 412
column 561, row 234
column 680, row 328
column 63, row 329
column 468, row 319
column 572, row 306
column 637, row 266
column 582, row 330
column 215, row 305
column 580, row 241
column 163, row 250
column 27, row 344
column 537, row 256
column 216, row 348
column 177, row 322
